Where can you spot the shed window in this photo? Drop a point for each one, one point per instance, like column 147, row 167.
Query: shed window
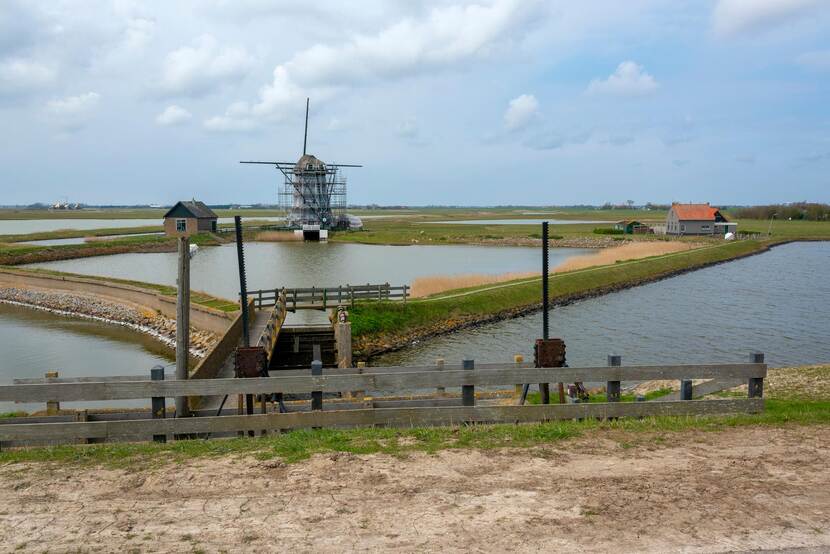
column 181, row 225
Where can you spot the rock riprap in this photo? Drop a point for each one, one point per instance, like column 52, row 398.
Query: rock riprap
column 143, row 320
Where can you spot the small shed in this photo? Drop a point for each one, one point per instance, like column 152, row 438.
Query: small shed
column 189, row 218
column 631, row 227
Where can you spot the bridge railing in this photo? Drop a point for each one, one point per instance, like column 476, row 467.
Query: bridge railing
column 468, row 408
column 268, row 339
column 321, row 298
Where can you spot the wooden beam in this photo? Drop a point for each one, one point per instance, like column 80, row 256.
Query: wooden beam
column 393, row 417
column 379, row 381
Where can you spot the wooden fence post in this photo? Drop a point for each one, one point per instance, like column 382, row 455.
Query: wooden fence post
column 756, row 384
column 612, row 388
column 159, row 410
column 316, row 396
column 439, row 363
column 360, row 394
column 686, row 389
column 468, row 392
column 517, row 389
column 53, row 407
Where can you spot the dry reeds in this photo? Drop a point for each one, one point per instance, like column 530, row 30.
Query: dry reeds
column 427, row 286
column 628, row 251
column 277, row 236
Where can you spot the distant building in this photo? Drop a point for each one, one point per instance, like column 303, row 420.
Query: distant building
column 697, row 219
column 189, row 218
column 631, row 227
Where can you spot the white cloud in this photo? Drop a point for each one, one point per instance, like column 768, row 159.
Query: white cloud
column 71, row 113
column 818, row 60
column 237, row 118
column 202, row 68
column 445, row 37
column 630, row 79
column 173, row 115
column 19, row 76
column 520, row 111
column 732, row 17
column 72, row 106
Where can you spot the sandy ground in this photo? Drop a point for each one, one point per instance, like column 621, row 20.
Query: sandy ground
column 735, row 490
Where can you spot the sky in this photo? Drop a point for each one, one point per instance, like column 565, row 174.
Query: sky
column 490, row 102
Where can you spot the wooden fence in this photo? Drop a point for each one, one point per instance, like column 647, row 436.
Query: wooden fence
column 332, row 414
column 321, row 298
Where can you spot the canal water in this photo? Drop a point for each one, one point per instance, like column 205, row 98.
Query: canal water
column 34, row 342
column 26, row 226
column 776, row 303
column 305, row 264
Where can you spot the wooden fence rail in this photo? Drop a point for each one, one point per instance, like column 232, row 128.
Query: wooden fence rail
column 467, row 376
column 123, row 390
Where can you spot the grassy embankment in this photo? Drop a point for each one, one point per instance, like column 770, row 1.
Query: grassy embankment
column 379, row 326
column 793, row 398
column 196, row 297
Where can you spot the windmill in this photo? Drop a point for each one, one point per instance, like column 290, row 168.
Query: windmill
column 313, row 192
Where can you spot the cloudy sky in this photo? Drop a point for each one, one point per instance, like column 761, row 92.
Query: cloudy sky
column 488, row 102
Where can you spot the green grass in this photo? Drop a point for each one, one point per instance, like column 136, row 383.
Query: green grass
column 301, row 444
column 369, row 319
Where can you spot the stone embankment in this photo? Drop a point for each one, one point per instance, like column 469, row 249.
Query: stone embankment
column 144, row 320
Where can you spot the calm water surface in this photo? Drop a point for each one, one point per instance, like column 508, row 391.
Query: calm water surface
column 34, row 342
column 25, row 226
column 305, row 264
column 776, row 302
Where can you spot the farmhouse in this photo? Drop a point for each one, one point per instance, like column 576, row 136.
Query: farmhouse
column 189, row 218
column 697, row 219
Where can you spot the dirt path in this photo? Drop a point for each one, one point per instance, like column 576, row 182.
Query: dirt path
column 740, row 489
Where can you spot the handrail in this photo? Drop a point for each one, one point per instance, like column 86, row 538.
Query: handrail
column 506, row 375
column 321, row 298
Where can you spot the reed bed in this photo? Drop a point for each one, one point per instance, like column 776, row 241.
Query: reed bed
column 435, row 284
column 277, row 236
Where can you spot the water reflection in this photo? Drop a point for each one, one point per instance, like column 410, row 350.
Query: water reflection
column 773, row 302
column 35, row 342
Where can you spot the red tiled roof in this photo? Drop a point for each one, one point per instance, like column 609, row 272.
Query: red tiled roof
column 695, row 212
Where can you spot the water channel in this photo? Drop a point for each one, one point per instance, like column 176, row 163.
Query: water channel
column 26, row 226
column 34, row 342
column 299, row 264
column 776, row 302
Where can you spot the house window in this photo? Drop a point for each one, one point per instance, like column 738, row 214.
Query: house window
column 704, row 227
column 682, row 227
column 181, row 225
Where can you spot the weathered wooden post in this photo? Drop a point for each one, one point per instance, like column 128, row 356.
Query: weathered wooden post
column 686, row 389
column 612, row 388
column 183, row 321
column 157, row 402
column 544, row 388
column 316, row 396
column 439, row 363
column 360, row 394
column 468, row 392
column 756, row 384
column 53, row 407
column 517, row 389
